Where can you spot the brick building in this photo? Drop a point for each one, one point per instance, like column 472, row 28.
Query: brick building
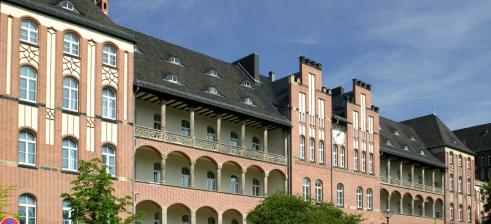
column 198, row 140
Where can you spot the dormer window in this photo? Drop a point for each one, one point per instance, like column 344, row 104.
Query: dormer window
column 248, row 101
column 413, row 139
column 406, row 148
column 212, row 72
column 422, row 152
column 396, row 132
column 172, row 78
column 213, row 90
column 247, row 83
column 174, row 60
column 68, row 5
column 388, row 142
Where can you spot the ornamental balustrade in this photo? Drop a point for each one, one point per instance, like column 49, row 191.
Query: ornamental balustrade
column 169, row 137
column 411, row 185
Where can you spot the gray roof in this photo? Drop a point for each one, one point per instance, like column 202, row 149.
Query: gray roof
column 435, row 133
column 152, row 67
column 406, row 137
column 88, row 15
column 477, row 138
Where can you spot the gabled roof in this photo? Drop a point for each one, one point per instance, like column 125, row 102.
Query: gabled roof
column 87, row 15
column 152, row 66
column 477, row 138
column 406, row 137
column 435, row 133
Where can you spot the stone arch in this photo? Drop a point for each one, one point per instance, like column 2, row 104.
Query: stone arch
column 230, row 215
column 254, row 180
column 407, row 204
column 148, row 164
column 384, row 199
column 231, row 170
column 276, row 181
column 177, row 213
column 177, row 169
column 395, row 201
column 205, row 213
column 206, row 173
column 151, row 210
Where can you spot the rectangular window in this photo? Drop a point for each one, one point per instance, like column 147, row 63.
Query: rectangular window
column 156, row 121
column 363, row 106
column 321, row 114
column 335, row 155
column 312, row 94
column 301, row 106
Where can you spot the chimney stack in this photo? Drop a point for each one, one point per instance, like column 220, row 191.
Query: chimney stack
column 103, row 5
column 272, row 76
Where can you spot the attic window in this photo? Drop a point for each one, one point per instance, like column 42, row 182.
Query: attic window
column 213, row 90
column 212, row 72
column 246, row 83
column 248, row 101
column 174, row 60
column 413, row 139
column 388, row 142
column 172, row 78
column 396, row 132
column 406, row 148
column 68, row 5
column 422, row 153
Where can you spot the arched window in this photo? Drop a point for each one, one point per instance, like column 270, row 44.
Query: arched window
column 212, row 72
column 70, row 94
column 108, row 103
column 157, row 167
column 185, row 177
column 71, row 44
column 27, row 83
column 210, row 181
column 369, row 198
column 255, row 144
column 185, row 219
column 460, row 160
column 211, row 134
column 109, row 159
column 67, row 213
column 109, row 55
column 312, row 149
column 370, row 163
column 246, row 83
column 306, row 188
column 27, row 209
column 302, row 147
column 341, row 156
column 234, row 139
column 69, row 155
column 452, row 211
column 461, row 213
column 29, row 31
column 256, row 187
column 321, row 151
column 451, row 183
column 335, row 155
column 460, row 184
column 27, row 148
column 340, row 195
column 355, row 160
column 469, row 191
column 363, row 162
column 185, row 128
column 175, row 60
column 359, row 197
column 234, row 184
column 67, row 5
column 172, row 78
column 318, row 191
column 450, row 158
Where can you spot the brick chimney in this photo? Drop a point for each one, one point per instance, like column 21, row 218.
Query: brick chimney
column 103, row 5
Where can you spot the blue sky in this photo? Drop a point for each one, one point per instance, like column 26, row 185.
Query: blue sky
column 419, row 56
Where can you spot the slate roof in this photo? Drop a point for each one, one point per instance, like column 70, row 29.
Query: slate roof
column 152, row 67
column 407, row 137
column 88, row 15
column 477, row 138
column 435, row 133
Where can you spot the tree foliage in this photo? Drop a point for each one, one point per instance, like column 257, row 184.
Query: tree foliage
column 486, row 195
column 4, row 193
column 92, row 200
column 283, row 209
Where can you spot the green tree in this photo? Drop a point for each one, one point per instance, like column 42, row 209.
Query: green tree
column 283, row 209
column 92, row 200
column 486, row 195
column 4, row 193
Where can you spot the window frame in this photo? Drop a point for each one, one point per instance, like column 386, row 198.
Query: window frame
column 27, row 206
column 334, row 155
column 185, row 177
column 234, row 184
column 25, row 73
column 71, row 46
column 27, row 142
column 340, row 195
column 256, row 187
column 306, row 188
column 185, row 128
column 71, row 89
column 211, row 134
column 363, row 162
column 355, row 160
column 321, row 151
column 256, row 143
column 342, row 158
column 312, row 149
column 211, row 183
column 71, row 151
column 31, row 31
column 234, row 139
column 319, row 194
column 107, row 101
column 106, row 159
column 109, row 55
column 68, row 211
column 359, row 197
column 301, row 144
column 369, row 199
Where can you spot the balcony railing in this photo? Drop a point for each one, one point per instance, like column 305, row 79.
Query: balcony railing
column 203, row 144
column 411, row 185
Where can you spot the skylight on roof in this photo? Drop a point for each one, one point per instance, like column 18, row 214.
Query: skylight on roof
column 388, row 142
column 212, row 72
column 248, row 101
column 172, row 78
column 213, row 90
column 247, row 83
column 406, row 148
column 68, row 5
column 174, row 60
